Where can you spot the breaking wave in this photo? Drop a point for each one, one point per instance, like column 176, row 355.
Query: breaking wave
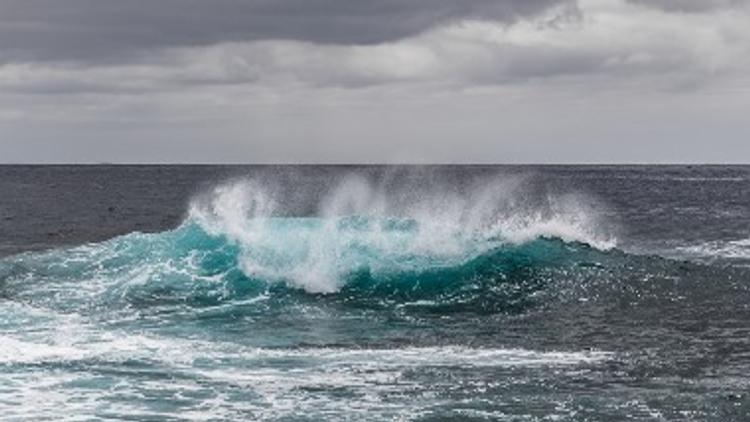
column 359, row 228
column 483, row 246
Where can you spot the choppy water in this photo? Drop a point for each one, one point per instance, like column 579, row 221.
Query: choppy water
column 375, row 293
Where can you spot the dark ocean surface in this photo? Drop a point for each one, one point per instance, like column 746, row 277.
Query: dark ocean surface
column 516, row 293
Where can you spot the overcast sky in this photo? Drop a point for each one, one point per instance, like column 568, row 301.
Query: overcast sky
column 387, row 81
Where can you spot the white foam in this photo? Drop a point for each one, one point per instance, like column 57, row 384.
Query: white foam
column 78, row 342
column 282, row 380
column 277, row 388
column 17, row 351
column 411, row 227
column 734, row 249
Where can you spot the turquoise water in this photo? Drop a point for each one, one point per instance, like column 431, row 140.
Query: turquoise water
column 186, row 315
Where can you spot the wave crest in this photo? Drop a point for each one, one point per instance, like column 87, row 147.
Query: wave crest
column 386, row 228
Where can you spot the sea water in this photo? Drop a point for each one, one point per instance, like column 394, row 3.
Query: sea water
column 375, row 293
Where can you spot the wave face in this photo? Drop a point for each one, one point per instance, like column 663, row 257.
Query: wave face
column 369, row 261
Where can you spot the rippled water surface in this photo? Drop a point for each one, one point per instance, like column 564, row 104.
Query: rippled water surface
column 375, row 293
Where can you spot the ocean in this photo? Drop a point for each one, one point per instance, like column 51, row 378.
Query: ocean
column 375, row 293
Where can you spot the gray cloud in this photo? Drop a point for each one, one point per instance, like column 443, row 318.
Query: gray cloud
column 612, row 41
column 116, row 30
column 380, row 80
column 690, row 5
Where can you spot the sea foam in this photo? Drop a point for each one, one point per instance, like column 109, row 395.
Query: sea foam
column 385, row 228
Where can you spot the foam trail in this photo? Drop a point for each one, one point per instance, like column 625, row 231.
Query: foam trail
column 734, row 249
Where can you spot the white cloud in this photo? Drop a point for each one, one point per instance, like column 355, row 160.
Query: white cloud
column 691, row 6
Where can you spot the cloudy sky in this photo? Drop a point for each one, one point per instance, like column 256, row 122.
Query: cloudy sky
column 393, row 81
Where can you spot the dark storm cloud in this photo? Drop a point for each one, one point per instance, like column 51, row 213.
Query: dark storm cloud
column 117, row 29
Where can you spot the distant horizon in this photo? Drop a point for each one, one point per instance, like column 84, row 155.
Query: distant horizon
column 334, row 164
